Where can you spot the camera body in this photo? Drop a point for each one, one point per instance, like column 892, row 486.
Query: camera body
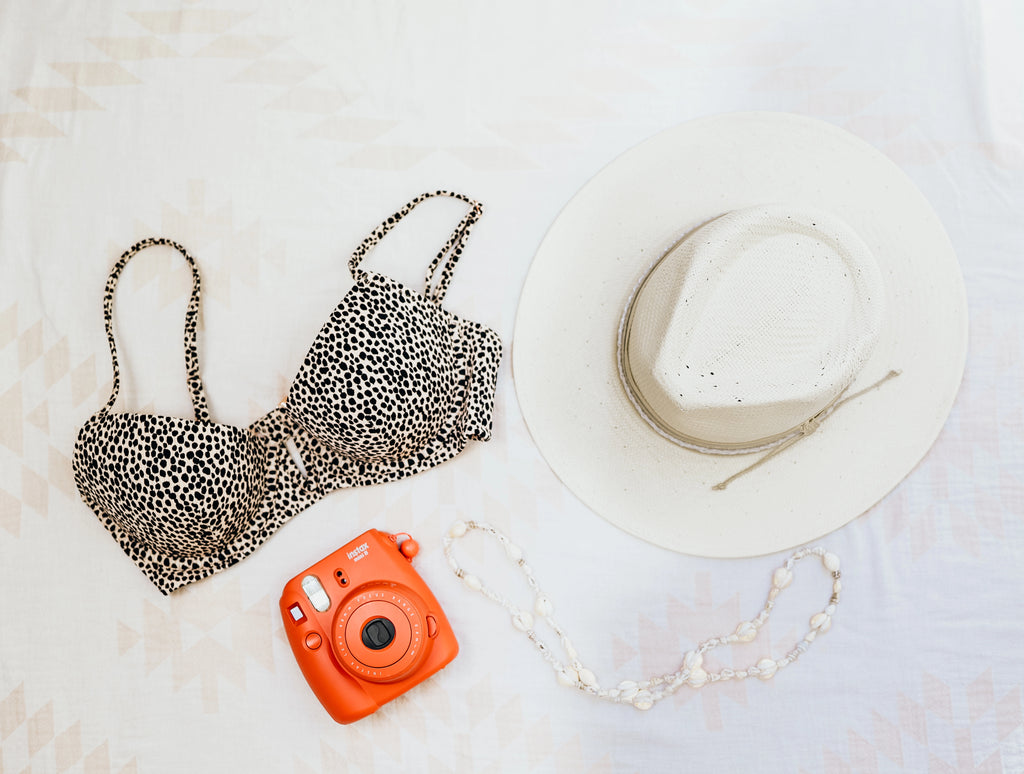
column 364, row 627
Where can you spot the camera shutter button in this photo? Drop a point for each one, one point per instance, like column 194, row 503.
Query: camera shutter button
column 313, row 640
column 431, row 626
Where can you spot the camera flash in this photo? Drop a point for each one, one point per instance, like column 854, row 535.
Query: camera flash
column 315, row 592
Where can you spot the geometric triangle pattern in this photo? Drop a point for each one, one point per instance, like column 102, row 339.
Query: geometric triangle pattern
column 924, row 735
column 35, row 736
column 206, row 642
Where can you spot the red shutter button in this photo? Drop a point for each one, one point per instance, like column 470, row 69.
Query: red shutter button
column 431, row 626
column 313, row 640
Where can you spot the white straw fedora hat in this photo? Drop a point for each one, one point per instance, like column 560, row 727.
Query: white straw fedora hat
column 740, row 335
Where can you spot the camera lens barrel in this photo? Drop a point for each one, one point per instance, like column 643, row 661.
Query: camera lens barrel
column 378, row 633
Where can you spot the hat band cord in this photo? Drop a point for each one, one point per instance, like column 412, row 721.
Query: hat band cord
column 805, row 429
column 644, row 694
column 772, row 445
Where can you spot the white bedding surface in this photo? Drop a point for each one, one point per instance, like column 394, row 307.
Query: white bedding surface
column 269, row 138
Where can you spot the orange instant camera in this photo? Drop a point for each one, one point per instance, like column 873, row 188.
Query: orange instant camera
column 364, row 627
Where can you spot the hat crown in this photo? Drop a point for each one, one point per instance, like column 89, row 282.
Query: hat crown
column 751, row 325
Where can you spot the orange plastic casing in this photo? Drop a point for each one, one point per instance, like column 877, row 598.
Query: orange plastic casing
column 365, row 582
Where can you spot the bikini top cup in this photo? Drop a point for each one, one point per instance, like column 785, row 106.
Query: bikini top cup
column 393, row 385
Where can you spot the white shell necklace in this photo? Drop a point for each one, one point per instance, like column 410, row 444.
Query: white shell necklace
column 643, row 694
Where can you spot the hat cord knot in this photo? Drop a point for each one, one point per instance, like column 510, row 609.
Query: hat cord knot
column 807, row 427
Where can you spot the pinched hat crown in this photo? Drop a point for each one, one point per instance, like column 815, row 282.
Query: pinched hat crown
column 750, row 326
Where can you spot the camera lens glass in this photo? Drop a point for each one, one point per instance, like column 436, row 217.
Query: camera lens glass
column 378, row 633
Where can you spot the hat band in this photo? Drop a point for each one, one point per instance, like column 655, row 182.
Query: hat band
column 773, row 444
column 690, row 442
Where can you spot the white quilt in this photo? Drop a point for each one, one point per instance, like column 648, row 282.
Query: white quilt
column 269, row 137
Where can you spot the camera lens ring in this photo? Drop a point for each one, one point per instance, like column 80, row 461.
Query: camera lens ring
column 408, row 647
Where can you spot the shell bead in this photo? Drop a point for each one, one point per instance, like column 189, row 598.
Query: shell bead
column 542, row 606
column 692, row 660
column 515, row 553
column 821, row 622
column 766, row 668
column 587, row 677
column 643, row 700
column 472, row 581
column 458, row 529
column 523, row 621
column 570, row 651
column 831, row 561
column 746, row 632
column 567, row 677
column 782, row 577
column 698, row 677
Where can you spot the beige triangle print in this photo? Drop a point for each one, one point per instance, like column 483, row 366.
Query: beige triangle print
column 27, row 125
column 8, row 325
column 36, row 742
column 56, row 363
column 95, row 73
column 193, row 21
column 386, row 157
column 11, row 419
column 961, row 740
column 981, row 695
column 59, row 474
column 30, row 345
column 98, row 761
column 10, row 520
column 57, row 100
column 495, row 158
column 205, row 655
column 311, row 100
column 277, row 72
column 7, row 153
column 239, row 47
column 531, row 132
column 68, row 747
column 35, row 492
column 351, row 129
column 132, row 49
column 40, row 728
column 83, row 380
column 913, row 720
column 126, row 638
column 12, row 712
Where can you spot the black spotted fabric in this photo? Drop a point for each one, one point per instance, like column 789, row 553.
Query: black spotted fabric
column 394, row 384
column 205, row 480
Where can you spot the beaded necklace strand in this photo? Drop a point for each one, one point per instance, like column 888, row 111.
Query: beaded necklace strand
column 644, row 694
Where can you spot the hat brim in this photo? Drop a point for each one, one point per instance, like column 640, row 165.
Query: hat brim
column 604, row 240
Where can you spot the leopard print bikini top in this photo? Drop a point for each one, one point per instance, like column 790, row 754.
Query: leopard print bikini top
column 393, row 385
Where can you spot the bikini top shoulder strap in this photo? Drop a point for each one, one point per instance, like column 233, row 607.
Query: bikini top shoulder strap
column 449, row 253
column 195, row 384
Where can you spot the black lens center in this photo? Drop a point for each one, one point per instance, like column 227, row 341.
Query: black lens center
column 378, row 633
